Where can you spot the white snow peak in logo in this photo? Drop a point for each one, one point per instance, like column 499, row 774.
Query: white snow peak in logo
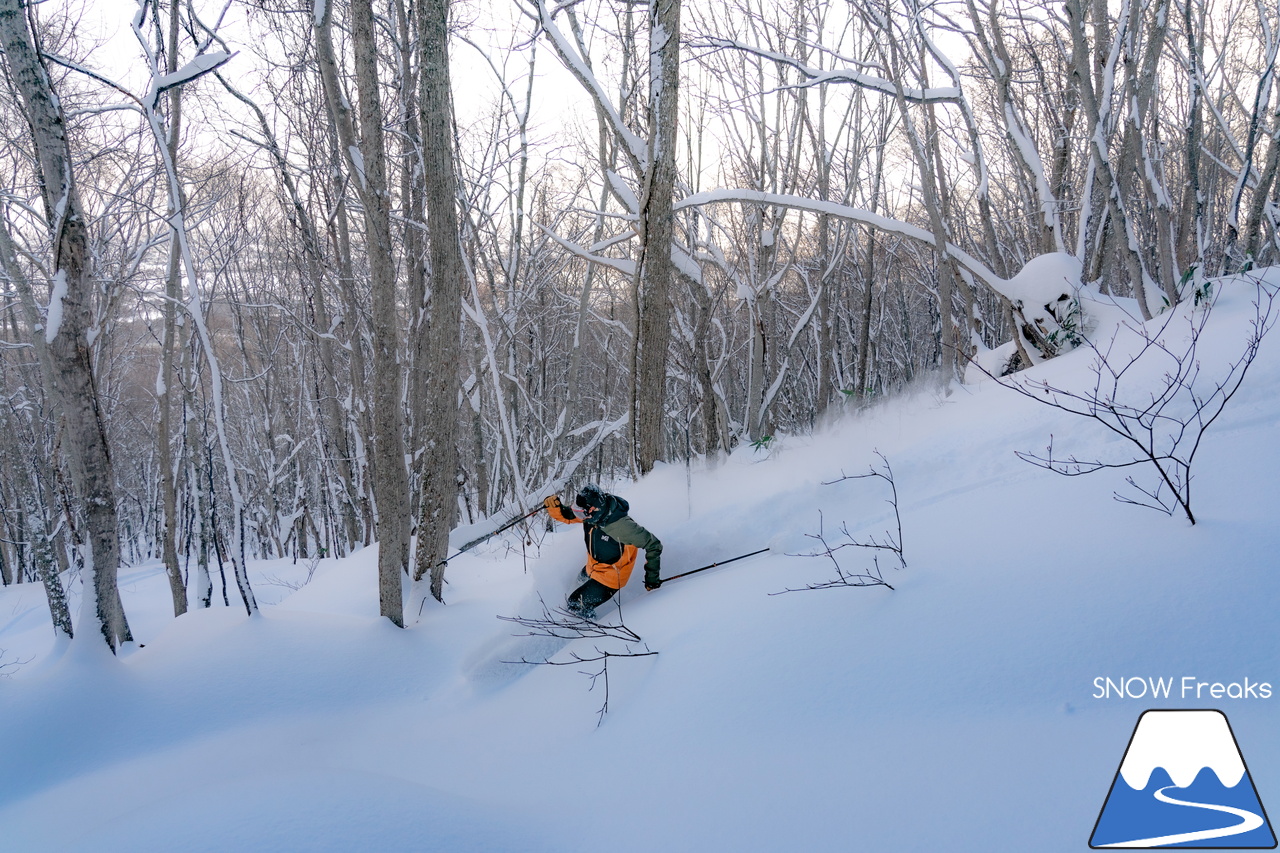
column 1183, row 783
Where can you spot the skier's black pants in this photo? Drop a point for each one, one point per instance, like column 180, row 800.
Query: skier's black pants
column 586, row 598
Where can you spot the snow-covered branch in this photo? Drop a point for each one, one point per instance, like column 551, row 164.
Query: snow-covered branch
column 821, row 76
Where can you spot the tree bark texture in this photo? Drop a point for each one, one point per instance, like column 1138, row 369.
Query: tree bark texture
column 367, row 162
column 448, row 275
column 656, row 270
column 173, row 293
column 85, row 441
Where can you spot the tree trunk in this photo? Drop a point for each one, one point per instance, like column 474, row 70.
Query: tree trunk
column 361, row 420
column 164, row 401
column 653, row 331
column 1253, row 225
column 948, row 277
column 367, row 164
column 201, row 502
column 1136, row 161
column 86, row 448
column 413, row 221
column 448, row 274
column 1193, row 241
column 1093, row 105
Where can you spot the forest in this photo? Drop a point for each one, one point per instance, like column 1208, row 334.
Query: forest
column 288, row 278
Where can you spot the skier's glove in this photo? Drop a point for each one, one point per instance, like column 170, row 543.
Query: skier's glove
column 652, row 584
column 552, row 502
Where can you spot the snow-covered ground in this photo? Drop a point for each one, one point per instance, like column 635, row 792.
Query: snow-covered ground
column 955, row 712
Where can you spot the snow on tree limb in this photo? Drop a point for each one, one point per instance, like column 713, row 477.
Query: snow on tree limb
column 53, row 317
column 196, row 68
column 577, row 66
column 622, row 265
column 866, row 217
column 818, row 76
column 1043, row 280
column 91, row 74
column 623, row 191
column 1040, row 294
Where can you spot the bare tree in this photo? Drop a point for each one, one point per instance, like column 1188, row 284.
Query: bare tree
column 167, row 376
column 68, row 321
column 203, row 63
column 366, row 162
column 440, row 372
column 655, row 270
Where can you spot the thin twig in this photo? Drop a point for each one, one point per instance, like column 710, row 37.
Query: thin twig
column 891, row 543
column 563, row 624
column 1166, row 429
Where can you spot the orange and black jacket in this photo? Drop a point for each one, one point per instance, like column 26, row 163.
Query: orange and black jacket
column 612, row 539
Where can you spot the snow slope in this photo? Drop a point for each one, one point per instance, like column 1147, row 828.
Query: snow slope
column 956, row 712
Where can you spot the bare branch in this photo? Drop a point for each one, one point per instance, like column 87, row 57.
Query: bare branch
column 8, row 667
column 821, row 76
column 564, row 625
column 1163, row 425
column 891, row 542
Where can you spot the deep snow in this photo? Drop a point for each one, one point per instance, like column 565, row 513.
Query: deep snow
column 955, row 712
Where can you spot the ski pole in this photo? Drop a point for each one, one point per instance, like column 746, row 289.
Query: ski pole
column 713, row 565
column 474, row 542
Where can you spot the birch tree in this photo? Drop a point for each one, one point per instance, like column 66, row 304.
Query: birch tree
column 67, row 330
column 167, row 378
column 203, row 63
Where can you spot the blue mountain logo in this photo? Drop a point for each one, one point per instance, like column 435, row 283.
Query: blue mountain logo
column 1183, row 783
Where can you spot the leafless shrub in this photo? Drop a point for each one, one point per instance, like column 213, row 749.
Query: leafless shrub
column 9, row 667
column 891, row 542
column 563, row 624
column 275, row 580
column 1163, row 425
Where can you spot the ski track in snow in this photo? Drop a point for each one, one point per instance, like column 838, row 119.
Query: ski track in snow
column 1248, row 822
column 512, row 660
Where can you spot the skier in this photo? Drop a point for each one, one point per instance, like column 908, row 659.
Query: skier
column 612, row 538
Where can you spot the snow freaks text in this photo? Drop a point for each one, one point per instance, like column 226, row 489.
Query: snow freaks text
column 1186, row 687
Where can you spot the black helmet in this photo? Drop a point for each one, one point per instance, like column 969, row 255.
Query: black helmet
column 590, row 495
